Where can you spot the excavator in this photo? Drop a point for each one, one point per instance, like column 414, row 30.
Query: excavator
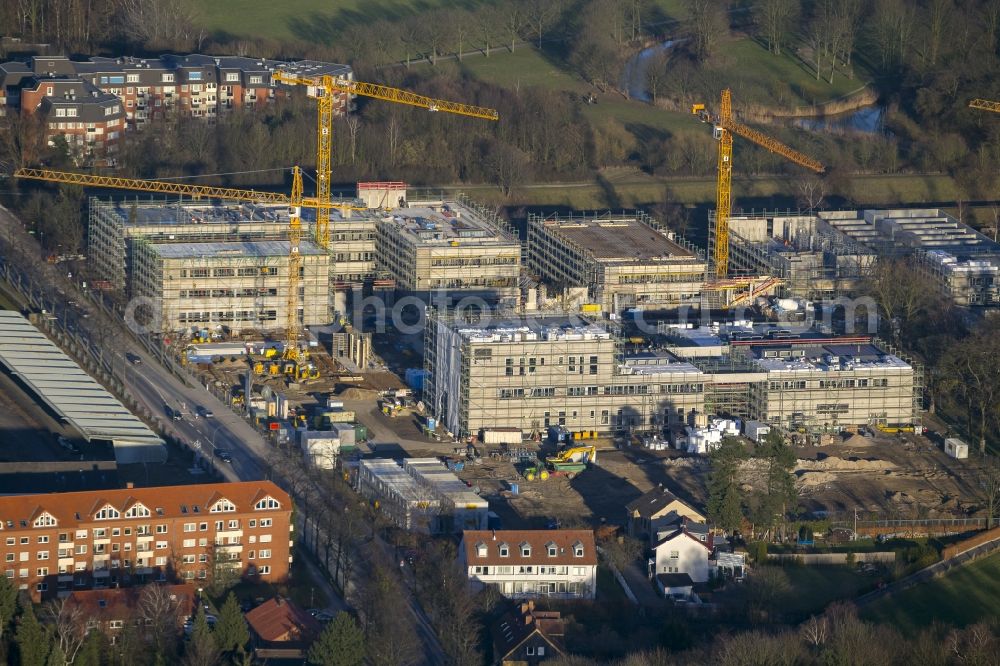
column 568, row 463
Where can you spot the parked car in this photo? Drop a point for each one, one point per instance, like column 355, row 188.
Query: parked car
column 133, row 358
column 204, row 413
column 224, row 455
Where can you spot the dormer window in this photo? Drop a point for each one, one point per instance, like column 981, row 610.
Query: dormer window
column 137, row 510
column 504, row 550
column 481, row 550
column 223, row 506
column 525, row 550
column 45, row 520
column 107, row 512
column 551, row 549
column 578, row 549
column 267, row 503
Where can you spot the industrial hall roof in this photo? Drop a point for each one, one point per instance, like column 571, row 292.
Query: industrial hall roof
column 72, row 394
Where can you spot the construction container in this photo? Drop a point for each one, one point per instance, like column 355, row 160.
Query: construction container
column 431, row 424
column 360, row 433
column 496, row 436
column 956, row 448
column 319, row 448
column 756, row 430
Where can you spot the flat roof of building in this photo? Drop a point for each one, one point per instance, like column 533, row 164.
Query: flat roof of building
column 618, row 240
column 446, row 223
column 444, row 482
column 834, row 357
column 659, row 362
column 138, row 213
column 71, row 393
column 395, row 477
column 532, row 327
column 275, row 248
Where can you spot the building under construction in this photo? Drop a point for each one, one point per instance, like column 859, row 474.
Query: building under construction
column 813, row 259
column 622, row 260
column 449, row 249
column 830, row 253
column 799, row 380
column 236, row 284
column 117, row 225
column 534, row 372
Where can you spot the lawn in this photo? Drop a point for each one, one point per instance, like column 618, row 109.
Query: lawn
column 964, row 596
column 308, row 20
column 815, row 588
column 524, row 67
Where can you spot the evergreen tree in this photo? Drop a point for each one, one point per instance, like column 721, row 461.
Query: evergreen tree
column 90, row 653
column 778, row 495
column 34, row 643
column 201, row 650
column 725, row 498
column 231, row 632
column 342, row 643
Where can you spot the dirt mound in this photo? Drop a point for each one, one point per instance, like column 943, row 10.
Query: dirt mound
column 835, row 464
column 813, row 479
column 355, row 393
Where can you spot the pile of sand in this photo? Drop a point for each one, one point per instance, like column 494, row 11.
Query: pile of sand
column 835, row 464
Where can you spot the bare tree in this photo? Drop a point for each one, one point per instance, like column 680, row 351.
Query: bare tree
column 811, row 192
column 159, row 609
column 69, row 626
column 709, row 25
column 541, row 14
column 656, row 73
column 774, row 18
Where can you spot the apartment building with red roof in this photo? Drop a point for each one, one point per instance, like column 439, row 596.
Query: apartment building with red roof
column 53, row 544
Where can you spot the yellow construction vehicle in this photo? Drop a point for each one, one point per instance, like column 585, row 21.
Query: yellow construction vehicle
column 575, row 454
column 724, row 126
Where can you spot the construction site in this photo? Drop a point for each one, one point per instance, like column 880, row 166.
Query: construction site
column 616, row 261
column 829, row 254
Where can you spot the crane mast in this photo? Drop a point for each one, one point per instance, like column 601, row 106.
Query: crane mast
column 323, row 89
column 724, row 128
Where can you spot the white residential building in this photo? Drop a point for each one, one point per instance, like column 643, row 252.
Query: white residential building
column 682, row 552
column 560, row 564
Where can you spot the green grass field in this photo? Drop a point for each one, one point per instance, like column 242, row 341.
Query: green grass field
column 307, row 20
column 962, row 597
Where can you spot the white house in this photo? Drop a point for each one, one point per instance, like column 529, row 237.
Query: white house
column 561, row 564
column 682, row 552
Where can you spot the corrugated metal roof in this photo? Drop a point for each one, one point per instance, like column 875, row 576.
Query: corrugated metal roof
column 73, row 394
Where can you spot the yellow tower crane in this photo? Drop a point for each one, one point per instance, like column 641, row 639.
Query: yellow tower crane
column 985, row 105
column 323, row 89
column 724, row 128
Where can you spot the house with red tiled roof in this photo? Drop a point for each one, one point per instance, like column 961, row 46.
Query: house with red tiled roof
column 281, row 629
column 110, row 611
column 56, row 543
column 522, row 564
column 525, row 636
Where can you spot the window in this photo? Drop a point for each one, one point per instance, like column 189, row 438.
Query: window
column 137, row 510
column 161, row 529
column 531, row 651
column 10, row 557
column 265, row 554
column 525, row 550
column 267, row 503
column 250, row 555
column 132, row 78
column 504, row 550
column 116, row 624
column 256, row 78
column 188, row 559
column 167, row 78
column 541, row 651
column 264, row 570
column 253, row 522
column 189, row 527
column 45, row 520
column 42, row 571
column 578, row 550
column 116, row 531
column 218, row 525
column 43, row 538
column 72, row 113
column 11, row 541
column 60, row 113
column 481, row 550
column 43, row 554
column 202, row 527
column 233, row 525
column 107, row 512
column 223, row 506
column 674, row 554
column 232, row 76
column 42, row 587
column 265, row 522
column 552, row 550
